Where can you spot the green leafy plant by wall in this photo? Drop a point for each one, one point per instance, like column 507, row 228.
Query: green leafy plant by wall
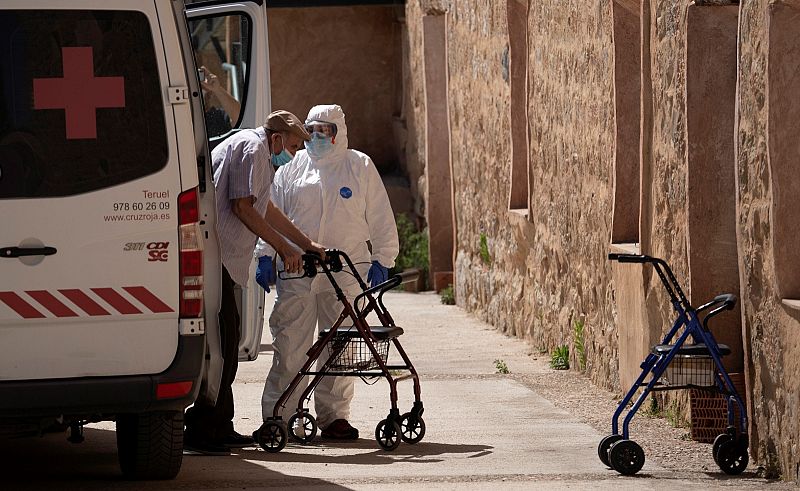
column 655, row 408
column 448, row 295
column 578, row 340
column 676, row 418
column 484, row 250
column 559, row 358
column 651, row 409
column 501, row 367
column 413, row 247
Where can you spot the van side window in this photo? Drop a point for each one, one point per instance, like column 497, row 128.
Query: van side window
column 222, row 50
column 81, row 104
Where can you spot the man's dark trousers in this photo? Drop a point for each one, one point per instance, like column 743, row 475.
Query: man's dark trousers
column 208, row 422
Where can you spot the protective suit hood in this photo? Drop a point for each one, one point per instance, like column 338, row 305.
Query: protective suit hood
column 331, row 113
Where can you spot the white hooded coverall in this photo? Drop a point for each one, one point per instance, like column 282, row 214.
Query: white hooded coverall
column 339, row 201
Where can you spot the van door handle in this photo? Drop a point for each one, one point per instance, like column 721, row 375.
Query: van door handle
column 27, row 251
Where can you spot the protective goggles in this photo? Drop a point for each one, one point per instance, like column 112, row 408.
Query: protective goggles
column 321, row 127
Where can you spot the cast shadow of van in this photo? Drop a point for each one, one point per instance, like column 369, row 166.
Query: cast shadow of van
column 50, row 462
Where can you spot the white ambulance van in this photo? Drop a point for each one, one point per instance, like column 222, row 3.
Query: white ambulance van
column 109, row 263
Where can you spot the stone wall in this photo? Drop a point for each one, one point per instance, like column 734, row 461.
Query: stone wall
column 772, row 330
column 683, row 183
column 663, row 217
column 547, row 270
column 480, row 147
column 571, row 115
column 663, row 228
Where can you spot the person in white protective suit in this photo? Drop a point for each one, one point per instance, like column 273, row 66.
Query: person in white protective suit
column 336, row 197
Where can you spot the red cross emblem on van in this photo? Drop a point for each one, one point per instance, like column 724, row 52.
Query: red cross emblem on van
column 79, row 93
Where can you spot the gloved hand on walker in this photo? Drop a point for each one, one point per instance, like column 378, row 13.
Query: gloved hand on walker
column 265, row 274
column 377, row 274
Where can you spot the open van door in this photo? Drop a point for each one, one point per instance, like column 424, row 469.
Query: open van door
column 229, row 42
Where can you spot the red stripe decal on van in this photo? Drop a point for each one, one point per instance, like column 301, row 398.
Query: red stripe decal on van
column 116, row 300
column 20, row 306
column 51, row 303
column 147, row 298
column 84, row 302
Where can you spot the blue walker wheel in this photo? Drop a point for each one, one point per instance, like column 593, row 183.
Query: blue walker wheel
column 605, row 446
column 626, row 457
column 718, row 441
column 732, row 457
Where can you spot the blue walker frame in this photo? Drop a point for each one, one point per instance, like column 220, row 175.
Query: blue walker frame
column 730, row 448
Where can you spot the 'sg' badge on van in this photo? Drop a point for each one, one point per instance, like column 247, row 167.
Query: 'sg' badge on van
column 156, row 251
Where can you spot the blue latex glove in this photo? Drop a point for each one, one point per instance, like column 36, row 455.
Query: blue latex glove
column 265, row 275
column 377, row 274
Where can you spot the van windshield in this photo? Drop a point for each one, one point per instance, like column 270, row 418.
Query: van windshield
column 81, row 105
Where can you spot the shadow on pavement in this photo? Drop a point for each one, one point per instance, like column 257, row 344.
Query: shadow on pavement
column 749, row 474
column 421, row 453
column 50, row 462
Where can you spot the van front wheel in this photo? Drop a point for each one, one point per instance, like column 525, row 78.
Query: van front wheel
column 150, row 445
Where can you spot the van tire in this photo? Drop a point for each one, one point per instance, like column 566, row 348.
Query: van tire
column 150, row 445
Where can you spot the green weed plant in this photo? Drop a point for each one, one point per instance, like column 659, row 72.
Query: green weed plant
column 413, row 246
column 484, row 250
column 559, row 358
column 578, row 340
column 501, row 367
column 448, row 295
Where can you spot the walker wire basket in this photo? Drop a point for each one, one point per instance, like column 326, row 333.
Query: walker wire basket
column 689, row 370
column 352, row 353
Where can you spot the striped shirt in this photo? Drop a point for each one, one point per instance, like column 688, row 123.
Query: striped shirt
column 242, row 168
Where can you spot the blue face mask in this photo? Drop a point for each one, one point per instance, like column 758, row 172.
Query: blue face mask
column 319, row 146
column 282, row 158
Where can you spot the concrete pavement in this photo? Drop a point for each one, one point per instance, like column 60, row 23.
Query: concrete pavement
column 484, row 430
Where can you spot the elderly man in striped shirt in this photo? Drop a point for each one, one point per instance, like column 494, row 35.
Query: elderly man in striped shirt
column 243, row 175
